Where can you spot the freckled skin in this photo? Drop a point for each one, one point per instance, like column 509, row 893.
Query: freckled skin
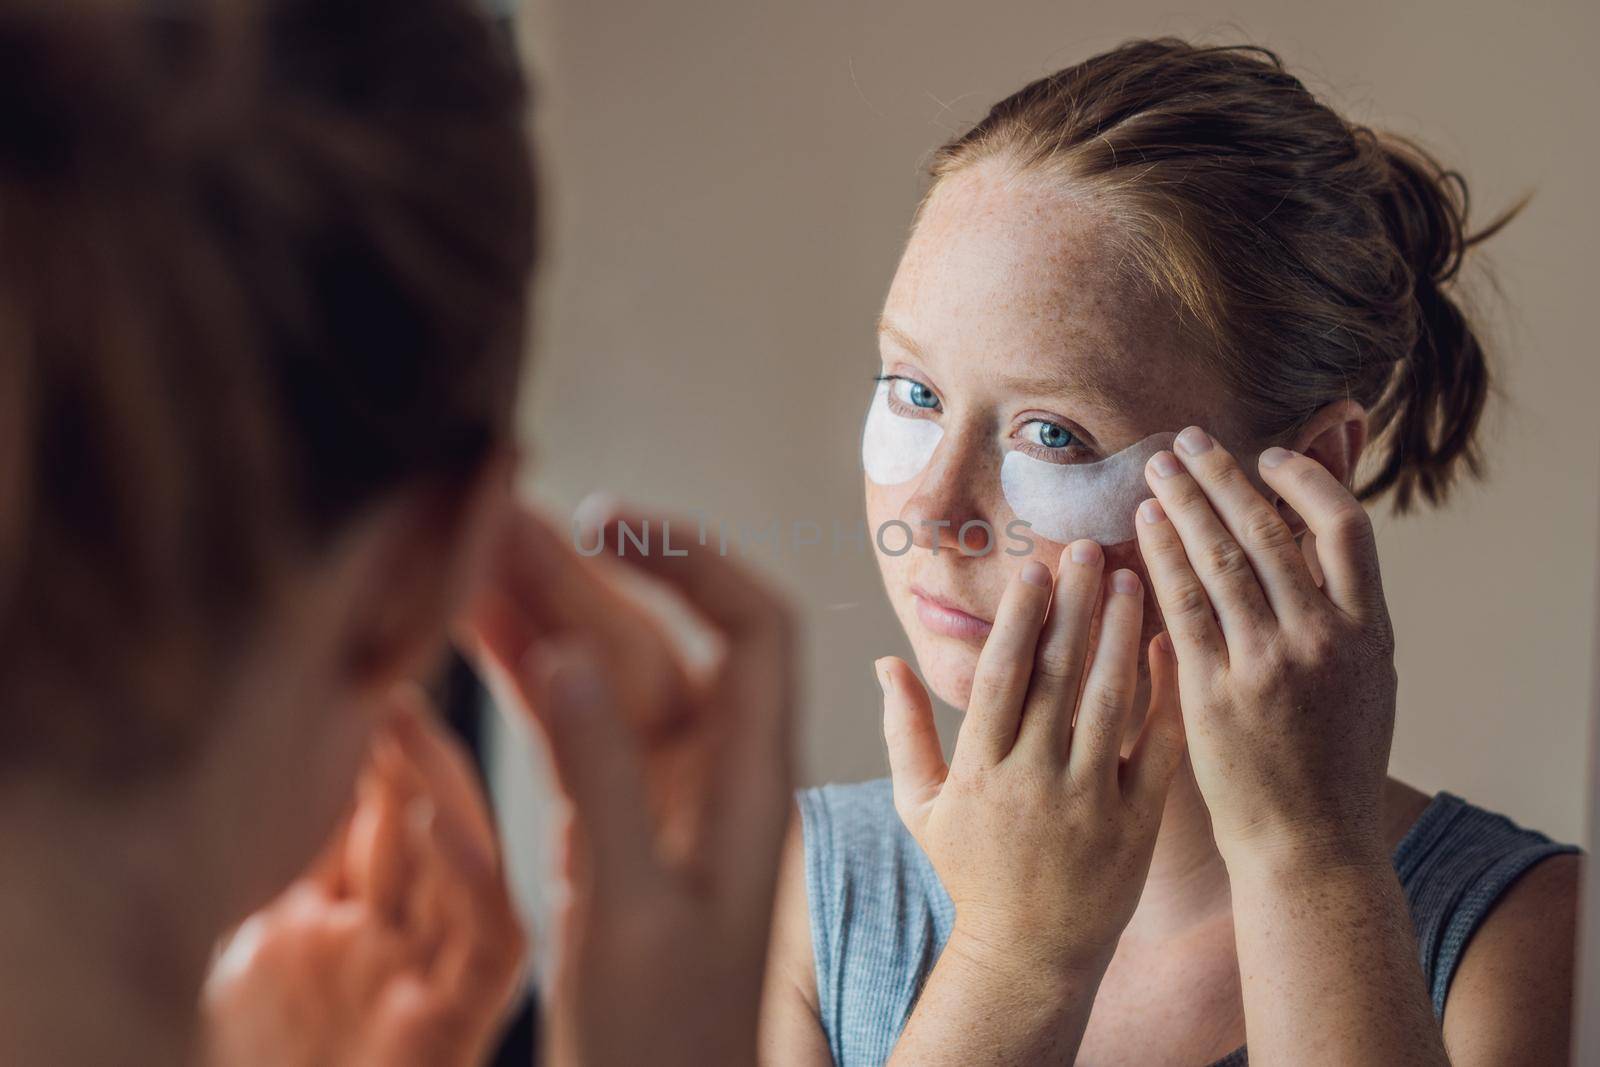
column 1008, row 280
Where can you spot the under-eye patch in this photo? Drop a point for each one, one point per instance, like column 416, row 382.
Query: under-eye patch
column 1068, row 501
column 894, row 447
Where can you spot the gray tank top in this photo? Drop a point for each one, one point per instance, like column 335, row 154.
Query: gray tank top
column 879, row 916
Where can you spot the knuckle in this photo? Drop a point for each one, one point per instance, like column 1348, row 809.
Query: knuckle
column 1189, row 601
column 990, row 691
column 1266, row 530
column 1226, row 558
column 1057, row 662
column 1321, row 642
column 1308, row 475
column 1350, row 523
column 1107, row 701
column 1226, row 473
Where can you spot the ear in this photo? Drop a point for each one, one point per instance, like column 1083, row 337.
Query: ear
column 411, row 566
column 1335, row 437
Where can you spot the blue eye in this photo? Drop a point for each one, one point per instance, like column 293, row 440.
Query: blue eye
column 1048, row 434
column 913, row 393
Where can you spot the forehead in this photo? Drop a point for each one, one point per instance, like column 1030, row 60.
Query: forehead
column 1009, row 277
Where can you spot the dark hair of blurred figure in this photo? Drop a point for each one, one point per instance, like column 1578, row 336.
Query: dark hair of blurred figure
column 263, row 280
column 257, row 274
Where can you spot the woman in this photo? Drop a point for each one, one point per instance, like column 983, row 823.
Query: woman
column 263, row 282
column 1163, row 238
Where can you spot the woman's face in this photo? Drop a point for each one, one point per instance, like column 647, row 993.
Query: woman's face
column 1011, row 322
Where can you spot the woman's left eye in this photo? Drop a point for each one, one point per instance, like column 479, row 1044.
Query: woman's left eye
column 1048, row 434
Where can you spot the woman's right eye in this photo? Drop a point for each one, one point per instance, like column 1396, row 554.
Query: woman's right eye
column 913, row 393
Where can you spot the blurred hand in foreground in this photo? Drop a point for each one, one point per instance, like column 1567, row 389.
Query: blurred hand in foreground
column 399, row 947
column 680, row 783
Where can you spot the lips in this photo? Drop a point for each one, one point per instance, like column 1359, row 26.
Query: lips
column 948, row 619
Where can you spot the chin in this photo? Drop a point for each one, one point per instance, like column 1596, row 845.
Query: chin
column 948, row 673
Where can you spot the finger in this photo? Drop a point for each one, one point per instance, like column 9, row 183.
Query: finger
column 1005, row 666
column 1113, row 677
column 916, row 762
column 481, row 943
column 541, row 572
column 376, row 869
column 1158, row 752
column 422, row 904
column 446, row 771
column 1185, row 607
column 327, row 871
column 1215, row 557
column 1347, row 549
column 1253, row 523
column 1062, row 653
column 756, row 625
column 596, row 762
column 666, row 547
column 540, row 588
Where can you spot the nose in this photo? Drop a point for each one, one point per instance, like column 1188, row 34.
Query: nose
column 950, row 497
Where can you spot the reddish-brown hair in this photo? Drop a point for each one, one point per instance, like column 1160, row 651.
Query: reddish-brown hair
column 1311, row 258
column 260, row 265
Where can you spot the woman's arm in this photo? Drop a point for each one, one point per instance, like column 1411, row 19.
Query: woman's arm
column 1511, row 1000
column 1328, row 964
column 1288, row 700
column 791, row 1024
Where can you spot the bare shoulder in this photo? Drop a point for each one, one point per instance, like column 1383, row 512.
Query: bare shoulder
column 1512, row 996
column 791, row 1027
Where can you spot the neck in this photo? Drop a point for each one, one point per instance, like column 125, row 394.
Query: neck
column 1187, row 886
column 106, row 927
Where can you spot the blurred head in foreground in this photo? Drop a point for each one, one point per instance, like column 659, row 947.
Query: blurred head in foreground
column 262, row 289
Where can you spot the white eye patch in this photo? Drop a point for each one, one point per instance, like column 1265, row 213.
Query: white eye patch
column 1068, row 501
column 894, row 447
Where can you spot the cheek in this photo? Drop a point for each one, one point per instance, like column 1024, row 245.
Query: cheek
column 883, row 503
column 883, row 506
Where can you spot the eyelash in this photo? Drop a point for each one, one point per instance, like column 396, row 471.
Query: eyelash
column 900, row 407
column 1028, row 448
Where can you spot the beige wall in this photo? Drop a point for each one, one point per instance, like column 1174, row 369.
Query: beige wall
column 727, row 187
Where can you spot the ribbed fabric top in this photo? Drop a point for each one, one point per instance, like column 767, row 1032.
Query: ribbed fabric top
column 879, row 917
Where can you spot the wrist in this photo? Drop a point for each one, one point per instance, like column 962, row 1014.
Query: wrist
column 1307, row 861
column 998, row 958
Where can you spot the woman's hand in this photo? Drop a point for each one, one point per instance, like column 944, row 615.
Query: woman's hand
column 399, row 947
column 1288, row 687
column 1288, row 701
column 1039, row 830
column 673, row 844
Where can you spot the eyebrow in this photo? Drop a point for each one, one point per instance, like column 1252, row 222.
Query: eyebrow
column 1087, row 381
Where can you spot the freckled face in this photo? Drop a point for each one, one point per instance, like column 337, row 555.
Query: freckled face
column 1010, row 323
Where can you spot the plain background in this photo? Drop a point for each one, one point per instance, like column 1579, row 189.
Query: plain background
column 727, row 186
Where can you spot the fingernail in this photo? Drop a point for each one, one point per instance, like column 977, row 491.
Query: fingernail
column 1085, row 551
column 1036, row 573
column 1125, row 581
column 880, row 667
column 1165, row 464
column 572, row 677
column 1273, row 456
column 1194, row 441
column 420, row 814
column 1164, row 642
column 1151, row 511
